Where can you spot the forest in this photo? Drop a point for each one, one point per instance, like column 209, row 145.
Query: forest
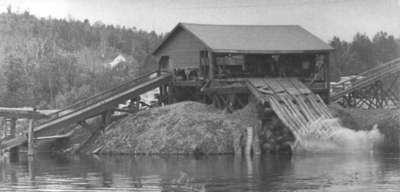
column 50, row 63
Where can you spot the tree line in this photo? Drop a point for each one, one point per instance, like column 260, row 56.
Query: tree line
column 362, row 53
column 50, row 63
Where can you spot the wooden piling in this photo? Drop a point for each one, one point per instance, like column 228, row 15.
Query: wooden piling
column 249, row 141
column 256, row 140
column 30, row 138
column 14, row 152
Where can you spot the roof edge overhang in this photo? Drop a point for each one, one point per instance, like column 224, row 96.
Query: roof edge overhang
column 179, row 25
column 270, row 52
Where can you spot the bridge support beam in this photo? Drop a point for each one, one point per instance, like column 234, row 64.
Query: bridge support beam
column 376, row 95
column 106, row 119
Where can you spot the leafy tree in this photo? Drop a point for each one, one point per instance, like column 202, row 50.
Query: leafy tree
column 385, row 47
column 343, row 59
column 54, row 62
column 16, row 84
column 363, row 49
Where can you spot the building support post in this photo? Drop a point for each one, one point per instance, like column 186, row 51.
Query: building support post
column 169, row 93
column 211, row 65
column 327, row 77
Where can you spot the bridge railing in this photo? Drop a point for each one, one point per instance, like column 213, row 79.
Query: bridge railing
column 103, row 95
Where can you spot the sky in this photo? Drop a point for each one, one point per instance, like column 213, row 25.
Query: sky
column 325, row 18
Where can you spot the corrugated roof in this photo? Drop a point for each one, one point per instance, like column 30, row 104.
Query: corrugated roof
column 255, row 38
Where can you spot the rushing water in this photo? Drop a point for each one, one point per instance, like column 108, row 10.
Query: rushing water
column 368, row 172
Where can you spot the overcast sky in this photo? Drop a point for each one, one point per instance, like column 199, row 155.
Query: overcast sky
column 325, row 18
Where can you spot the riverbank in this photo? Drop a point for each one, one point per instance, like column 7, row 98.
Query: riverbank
column 195, row 128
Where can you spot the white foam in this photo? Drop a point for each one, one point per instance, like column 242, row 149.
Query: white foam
column 341, row 139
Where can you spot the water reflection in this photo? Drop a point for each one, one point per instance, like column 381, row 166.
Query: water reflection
column 211, row 173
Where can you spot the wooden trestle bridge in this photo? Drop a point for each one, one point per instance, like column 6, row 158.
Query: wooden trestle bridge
column 104, row 104
column 378, row 87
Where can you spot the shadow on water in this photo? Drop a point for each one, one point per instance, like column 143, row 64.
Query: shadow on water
column 371, row 172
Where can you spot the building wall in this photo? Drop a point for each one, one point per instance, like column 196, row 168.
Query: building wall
column 183, row 50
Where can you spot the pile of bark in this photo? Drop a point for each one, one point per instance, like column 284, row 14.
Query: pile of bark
column 181, row 128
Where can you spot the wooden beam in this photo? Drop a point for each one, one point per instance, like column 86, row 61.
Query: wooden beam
column 188, row 83
column 30, row 138
column 227, row 89
column 26, row 113
column 61, row 136
column 327, row 72
column 106, row 118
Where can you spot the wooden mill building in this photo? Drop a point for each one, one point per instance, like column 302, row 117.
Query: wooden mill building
column 209, row 61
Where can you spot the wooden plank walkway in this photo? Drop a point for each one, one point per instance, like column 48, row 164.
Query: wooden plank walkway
column 297, row 107
column 27, row 113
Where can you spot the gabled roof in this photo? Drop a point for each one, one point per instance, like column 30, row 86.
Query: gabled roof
column 253, row 38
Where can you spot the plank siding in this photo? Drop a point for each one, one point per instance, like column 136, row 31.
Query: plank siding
column 183, row 50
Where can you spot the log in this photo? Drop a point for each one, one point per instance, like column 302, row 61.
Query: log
column 61, row 136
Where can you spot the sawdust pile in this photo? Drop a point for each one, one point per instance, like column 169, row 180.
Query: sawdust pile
column 181, row 128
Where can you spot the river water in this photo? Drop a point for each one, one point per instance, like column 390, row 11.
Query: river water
column 367, row 172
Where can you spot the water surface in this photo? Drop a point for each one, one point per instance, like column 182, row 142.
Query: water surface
column 370, row 172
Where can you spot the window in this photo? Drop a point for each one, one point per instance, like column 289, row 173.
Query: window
column 164, row 63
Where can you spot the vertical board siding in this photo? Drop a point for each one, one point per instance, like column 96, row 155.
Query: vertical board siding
column 183, row 50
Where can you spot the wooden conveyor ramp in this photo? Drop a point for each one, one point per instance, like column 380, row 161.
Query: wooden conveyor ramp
column 296, row 105
column 92, row 106
column 369, row 77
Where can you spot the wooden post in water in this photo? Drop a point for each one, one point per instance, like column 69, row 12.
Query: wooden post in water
column 31, row 150
column 30, row 139
column 249, row 141
column 256, row 141
column 14, row 152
